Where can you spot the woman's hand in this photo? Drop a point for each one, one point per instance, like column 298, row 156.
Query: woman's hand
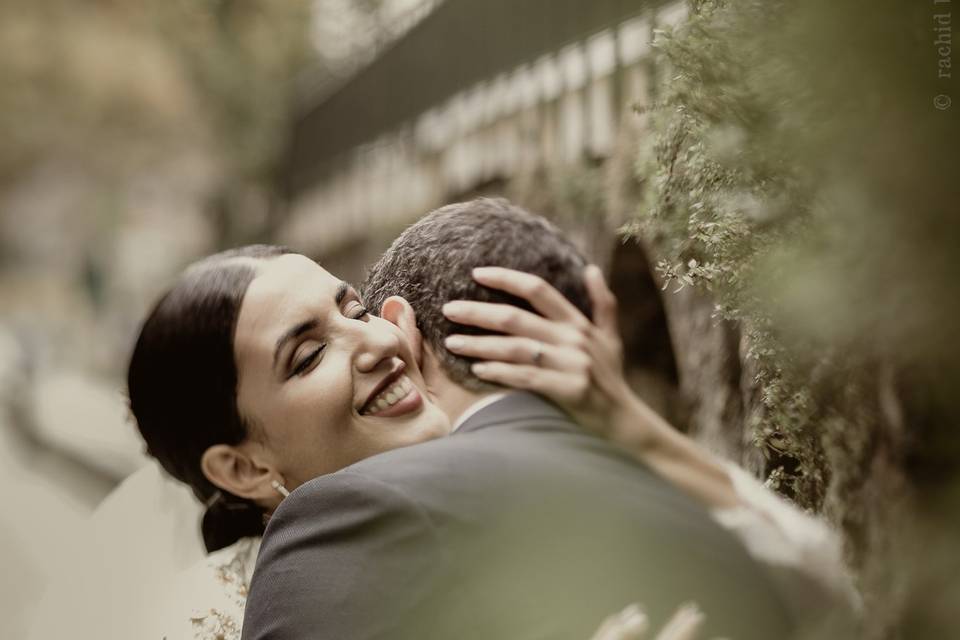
column 632, row 624
column 578, row 364
column 559, row 354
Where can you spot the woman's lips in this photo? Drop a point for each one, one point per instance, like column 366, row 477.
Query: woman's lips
column 397, row 398
column 407, row 404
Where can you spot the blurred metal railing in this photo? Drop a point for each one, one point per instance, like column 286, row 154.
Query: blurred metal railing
column 476, row 91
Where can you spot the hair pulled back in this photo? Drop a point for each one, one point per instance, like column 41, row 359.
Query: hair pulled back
column 182, row 383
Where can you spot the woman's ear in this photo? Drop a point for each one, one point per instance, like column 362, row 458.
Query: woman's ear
column 398, row 311
column 233, row 469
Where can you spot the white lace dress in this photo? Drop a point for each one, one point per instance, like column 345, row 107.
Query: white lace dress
column 213, row 593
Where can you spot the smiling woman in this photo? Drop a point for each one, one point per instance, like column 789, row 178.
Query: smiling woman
column 326, row 383
column 258, row 371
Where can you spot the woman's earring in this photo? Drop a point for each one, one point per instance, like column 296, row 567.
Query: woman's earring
column 282, row 490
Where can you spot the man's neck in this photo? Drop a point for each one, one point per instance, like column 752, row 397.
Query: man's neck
column 485, row 401
column 452, row 398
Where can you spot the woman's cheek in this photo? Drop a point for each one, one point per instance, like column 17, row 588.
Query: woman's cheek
column 336, row 402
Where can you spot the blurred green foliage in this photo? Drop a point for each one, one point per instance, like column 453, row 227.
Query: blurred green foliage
column 801, row 172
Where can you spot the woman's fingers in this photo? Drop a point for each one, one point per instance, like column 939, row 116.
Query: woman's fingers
column 632, row 624
column 551, row 303
column 498, row 348
column 542, row 296
column 508, row 319
column 603, row 301
column 576, row 363
column 519, row 351
column 559, row 386
column 629, row 624
column 684, row 625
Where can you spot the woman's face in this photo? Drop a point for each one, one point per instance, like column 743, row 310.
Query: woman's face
column 325, row 382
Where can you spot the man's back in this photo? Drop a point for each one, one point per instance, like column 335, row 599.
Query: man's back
column 517, row 526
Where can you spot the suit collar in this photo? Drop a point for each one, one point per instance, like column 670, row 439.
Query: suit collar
column 517, row 406
column 478, row 405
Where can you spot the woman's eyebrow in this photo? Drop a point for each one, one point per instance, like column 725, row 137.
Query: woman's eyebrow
column 342, row 289
column 291, row 334
column 307, row 325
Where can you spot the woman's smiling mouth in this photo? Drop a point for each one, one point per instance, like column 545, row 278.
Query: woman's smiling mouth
column 397, row 398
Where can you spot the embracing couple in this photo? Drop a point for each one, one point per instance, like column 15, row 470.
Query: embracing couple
column 453, row 451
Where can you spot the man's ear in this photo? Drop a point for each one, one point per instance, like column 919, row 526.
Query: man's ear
column 399, row 312
column 234, row 469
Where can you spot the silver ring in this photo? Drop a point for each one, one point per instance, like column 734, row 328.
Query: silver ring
column 538, row 354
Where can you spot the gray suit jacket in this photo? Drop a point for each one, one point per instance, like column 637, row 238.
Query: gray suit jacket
column 517, row 526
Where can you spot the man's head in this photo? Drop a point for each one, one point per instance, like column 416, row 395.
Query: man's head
column 431, row 262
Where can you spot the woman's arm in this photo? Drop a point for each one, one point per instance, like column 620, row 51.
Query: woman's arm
column 579, row 365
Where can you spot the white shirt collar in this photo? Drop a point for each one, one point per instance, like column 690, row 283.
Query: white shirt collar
column 482, row 403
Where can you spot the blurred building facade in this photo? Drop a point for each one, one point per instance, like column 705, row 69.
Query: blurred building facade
column 475, row 98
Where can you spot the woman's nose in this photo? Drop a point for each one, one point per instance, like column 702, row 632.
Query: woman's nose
column 374, row 345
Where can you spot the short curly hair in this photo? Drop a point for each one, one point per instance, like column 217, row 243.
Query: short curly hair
column 430, row 264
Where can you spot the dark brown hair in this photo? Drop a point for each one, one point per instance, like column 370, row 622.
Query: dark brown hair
column 430, row 264
column 182, row 383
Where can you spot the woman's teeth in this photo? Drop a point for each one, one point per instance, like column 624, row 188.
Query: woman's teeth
column 391, row 395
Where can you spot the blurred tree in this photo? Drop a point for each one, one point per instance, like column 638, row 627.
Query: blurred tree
column 242, row 59
column 800, row 187
column 79, row 79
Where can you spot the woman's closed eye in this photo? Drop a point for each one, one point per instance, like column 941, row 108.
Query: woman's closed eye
column 356, row 311
column 302, row 363
column 305, row 358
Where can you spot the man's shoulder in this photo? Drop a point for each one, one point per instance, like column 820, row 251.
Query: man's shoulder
column 519, row 497
column 518, row 439
column 358, row 490
column 514, row 433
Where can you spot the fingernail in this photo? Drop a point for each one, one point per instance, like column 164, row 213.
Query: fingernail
column 454, row 342
column 478, row 368
column 451, row 308
column 479, row 272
